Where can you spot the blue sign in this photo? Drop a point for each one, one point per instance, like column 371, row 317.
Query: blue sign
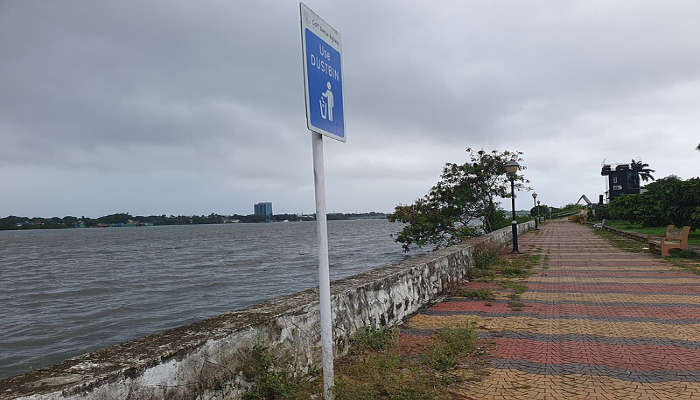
column 323, row 76
column 325, row 85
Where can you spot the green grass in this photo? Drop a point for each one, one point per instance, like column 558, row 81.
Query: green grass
column 682, row 259
column 621, row 242
column 483, row 294
column 686, row 260
column 693, row 237
column 386, row 374
column 485, row 255
column 514, row 302
column 374, row 369
column 519, row 266
column 273, row 377
column 451, row 345
column 371, row 339
column 517, row 287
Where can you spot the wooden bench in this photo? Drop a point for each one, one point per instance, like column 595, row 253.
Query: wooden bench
column 673, row 239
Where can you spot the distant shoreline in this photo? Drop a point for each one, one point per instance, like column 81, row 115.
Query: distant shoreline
column 124, row 220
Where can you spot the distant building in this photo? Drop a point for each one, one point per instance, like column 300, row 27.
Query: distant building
column 621, row 180
column 263, row 209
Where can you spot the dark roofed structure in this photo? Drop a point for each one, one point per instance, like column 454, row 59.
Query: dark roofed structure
column 621, row 180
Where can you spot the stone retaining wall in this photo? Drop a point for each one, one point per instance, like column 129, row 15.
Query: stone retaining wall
column 206, row 357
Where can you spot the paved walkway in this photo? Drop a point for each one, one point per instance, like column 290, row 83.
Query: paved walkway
column 598, row 323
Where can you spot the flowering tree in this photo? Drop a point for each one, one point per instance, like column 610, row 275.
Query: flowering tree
column 461, row 204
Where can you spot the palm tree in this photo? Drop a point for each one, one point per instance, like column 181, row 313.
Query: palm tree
column 642, row 169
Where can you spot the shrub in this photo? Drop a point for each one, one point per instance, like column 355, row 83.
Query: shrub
column 371, row 339
column 485, row 254
column 667, row 201
column 272, row 377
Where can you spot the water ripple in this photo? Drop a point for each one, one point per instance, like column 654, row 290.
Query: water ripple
column 66, row 292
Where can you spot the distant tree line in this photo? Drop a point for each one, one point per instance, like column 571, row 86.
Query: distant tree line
column 126, row 219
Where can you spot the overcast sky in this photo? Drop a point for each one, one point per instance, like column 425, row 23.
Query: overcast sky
column 191, row 107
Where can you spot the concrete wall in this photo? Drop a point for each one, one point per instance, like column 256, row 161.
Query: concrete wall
column 207, row 357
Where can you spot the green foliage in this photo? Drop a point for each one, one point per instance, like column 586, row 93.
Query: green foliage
column 452, row 344
column 397, row 383
column 517, row 287
column 602, row 210
column 126, row 219
column 386, row 374
column 566, row 210
column 518, row 266
column 485, row 255
column 481, row 294
column 376, row 370
column 496, row 218
column 667, row 201
column 463, row 197
column 371, row 339
column 544, row 210
column 621, row 242
column 693, row 237
column 512, row 271
column 682, row 259
column 642, row 169
column 522, row 218
column 272, row 377
column 118, row 218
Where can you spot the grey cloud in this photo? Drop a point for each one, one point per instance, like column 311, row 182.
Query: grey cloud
column 146, row 94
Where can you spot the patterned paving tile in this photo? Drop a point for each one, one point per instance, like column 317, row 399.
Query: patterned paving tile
column 597, row 323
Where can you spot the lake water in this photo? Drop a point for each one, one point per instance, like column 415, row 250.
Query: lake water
column 67, row 292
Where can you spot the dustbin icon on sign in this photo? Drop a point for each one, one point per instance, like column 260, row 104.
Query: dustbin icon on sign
column 326, row 103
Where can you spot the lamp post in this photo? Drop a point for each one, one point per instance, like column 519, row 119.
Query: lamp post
column 511, row 168
column 538, row 210
column 534, row 201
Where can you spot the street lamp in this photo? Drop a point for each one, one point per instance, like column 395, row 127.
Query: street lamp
column 534, row 202
column 538, row 210
column 511, row 168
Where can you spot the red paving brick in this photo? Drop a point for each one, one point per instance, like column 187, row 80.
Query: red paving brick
column 641, row 311
column 622, row 288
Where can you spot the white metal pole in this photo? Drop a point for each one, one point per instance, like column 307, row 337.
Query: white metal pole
column 324, row 281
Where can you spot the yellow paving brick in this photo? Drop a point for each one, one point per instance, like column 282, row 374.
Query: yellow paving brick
column 514, row 384
column 577, row 279
column 689, row 332
column 612, row 297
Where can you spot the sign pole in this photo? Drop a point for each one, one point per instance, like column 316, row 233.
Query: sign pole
column 324, row 286
column 323, row 89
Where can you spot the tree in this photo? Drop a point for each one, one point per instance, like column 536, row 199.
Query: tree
column 461, row 204
column 669, row 200
column 543, row 210
column 642, row 169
